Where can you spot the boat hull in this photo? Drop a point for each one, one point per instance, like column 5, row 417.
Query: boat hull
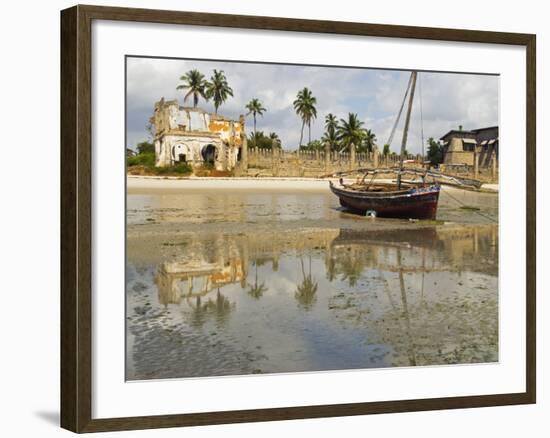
column 413, row 204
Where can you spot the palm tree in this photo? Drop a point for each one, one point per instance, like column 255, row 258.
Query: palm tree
column 255, row 107
column 222, row 307
column 198, row 312
column 304, row 105
column 275, row 140
column 369, row 140
column 331, row 127
column 257, row 289
column 352, row 267
column 305, row 292
column 218, row 89
column 350, row 131
column 195, row 85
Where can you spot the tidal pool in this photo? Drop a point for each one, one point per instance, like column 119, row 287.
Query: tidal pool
column 244, row 283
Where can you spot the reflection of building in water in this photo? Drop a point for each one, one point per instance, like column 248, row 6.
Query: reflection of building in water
column 180, row 279
column 207, row 265
column 212, row 262
column 404, row 297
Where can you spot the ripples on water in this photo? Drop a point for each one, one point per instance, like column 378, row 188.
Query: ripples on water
column 225, row 303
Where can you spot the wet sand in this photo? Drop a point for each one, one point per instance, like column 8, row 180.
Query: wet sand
column 225, row 281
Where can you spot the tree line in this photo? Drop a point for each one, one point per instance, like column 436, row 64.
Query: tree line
column 340, row 134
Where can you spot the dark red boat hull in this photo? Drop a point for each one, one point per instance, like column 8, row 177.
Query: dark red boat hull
column 420, row 204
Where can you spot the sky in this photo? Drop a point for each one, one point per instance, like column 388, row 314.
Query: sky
column 445, row 100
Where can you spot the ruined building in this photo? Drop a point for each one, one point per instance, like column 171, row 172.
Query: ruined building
column 191, row 135
column 465, row 147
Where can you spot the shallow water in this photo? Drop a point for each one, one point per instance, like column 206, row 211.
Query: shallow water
column 244, row 206
column 241, row 283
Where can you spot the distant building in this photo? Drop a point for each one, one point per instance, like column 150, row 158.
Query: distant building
column 460, row 147
column 130, row 152
column 191, row 135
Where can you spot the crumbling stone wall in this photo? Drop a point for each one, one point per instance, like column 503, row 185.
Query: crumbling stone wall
column 191, row 135
column 267, row 162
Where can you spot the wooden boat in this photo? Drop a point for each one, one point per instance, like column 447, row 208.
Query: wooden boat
column 407, row 201
column 412, row 202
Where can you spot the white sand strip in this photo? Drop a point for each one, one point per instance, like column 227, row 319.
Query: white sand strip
column 137, row 184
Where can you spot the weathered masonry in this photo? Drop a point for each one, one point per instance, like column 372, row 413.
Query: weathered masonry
column 191, row 135
column 476, row 148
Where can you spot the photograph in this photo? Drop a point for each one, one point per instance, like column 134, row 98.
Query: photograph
column 285, row 218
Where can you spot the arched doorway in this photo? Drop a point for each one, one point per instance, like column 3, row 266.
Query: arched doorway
column 209, row 154
column 181, row 153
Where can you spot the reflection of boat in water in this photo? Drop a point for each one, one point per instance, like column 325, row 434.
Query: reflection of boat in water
column 441, row 249
column 422, row 310
column 389, row 201
column 422, row 237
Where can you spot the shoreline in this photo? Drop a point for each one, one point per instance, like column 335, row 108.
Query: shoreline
column 137, row 184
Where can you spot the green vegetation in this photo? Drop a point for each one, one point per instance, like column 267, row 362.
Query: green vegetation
column 261, row 141
column 435, row 152
column 386, row 150
column 350, row 132
column 147, row 159
column 145, row 147
column 195, row 85
column 144, row 157
column 144, row 163
column 315, row 145
column 304, row 105
column 339, row 135
column 177, row 169
column 331, row 127
column 255, row 108
column 368, row 141
column 218, row 89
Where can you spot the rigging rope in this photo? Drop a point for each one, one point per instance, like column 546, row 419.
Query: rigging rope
column 475, row 211
column 390, row 139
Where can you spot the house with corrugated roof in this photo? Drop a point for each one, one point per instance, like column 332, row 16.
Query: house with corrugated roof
column 462, row 147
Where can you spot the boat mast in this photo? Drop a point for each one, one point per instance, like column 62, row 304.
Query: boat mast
column 406, row 129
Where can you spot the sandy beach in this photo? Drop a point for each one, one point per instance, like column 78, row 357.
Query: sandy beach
column 136, row 184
